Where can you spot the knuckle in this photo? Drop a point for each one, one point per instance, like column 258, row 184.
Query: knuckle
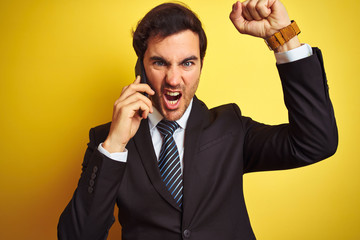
column 138, row 96
column 251, row 4
column 117, row 105
column 133, row 86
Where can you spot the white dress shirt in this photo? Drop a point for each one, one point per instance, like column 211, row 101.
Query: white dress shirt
column 154, row 118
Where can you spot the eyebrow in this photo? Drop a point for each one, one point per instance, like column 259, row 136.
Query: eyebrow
column 158, row 58
column 189, row 59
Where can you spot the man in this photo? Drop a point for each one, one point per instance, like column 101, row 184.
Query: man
column 174, row 167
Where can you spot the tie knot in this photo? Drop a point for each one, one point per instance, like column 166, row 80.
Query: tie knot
column 166, row 127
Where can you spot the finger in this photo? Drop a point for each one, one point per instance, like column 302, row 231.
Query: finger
column 137, row 79
column 145, row 113
column 236, row 13
column 136, row 87
column 134, row 108
column 130, row 111
column 148, row 89
column 235, row 6
column 238, row 18
column 263, row 9
column 136, row 97
column 140, row 87
column 245, row 12
column 270, row 3
column 252, row 8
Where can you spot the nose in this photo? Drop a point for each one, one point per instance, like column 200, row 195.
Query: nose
column 173, row 76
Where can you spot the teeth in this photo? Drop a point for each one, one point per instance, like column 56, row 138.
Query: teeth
column 172, row 102
column 173, row 93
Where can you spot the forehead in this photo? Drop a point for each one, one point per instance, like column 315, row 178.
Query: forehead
column 178, row 45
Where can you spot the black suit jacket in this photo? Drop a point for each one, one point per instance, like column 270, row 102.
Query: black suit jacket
column 220, row 146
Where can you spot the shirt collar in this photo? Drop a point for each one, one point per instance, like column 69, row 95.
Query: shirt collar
column 156, row 117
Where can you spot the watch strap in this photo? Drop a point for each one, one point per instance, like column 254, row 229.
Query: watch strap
column 283, row 36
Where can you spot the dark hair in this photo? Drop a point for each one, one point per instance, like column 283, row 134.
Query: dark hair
column 165, row 20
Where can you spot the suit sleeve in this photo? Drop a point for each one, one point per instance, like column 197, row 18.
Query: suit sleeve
column 311, row 134
column 89, row 214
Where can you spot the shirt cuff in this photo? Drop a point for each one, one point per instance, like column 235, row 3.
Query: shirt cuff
column 117, row 156
column 293, row 55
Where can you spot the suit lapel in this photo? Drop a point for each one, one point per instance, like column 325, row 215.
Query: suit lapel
column 197, row 120
column 144, row 146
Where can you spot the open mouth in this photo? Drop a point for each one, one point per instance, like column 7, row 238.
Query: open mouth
column 172, row 98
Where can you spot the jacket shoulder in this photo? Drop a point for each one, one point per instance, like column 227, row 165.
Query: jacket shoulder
column 223, row 118
column 229, row 111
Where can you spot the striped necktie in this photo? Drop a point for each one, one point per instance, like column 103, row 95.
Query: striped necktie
column 169, row 160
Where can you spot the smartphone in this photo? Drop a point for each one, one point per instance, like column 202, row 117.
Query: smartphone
column 140, row 70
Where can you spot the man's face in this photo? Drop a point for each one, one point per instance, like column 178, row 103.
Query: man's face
column 173, row 68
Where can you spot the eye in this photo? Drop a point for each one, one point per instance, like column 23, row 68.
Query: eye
column 159, row 63
column 188, row 64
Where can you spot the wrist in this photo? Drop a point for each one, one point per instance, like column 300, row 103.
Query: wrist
column 111, row 147
column 291, row 44
column 284, row 40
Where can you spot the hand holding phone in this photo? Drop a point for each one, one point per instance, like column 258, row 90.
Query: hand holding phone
column 129, row 109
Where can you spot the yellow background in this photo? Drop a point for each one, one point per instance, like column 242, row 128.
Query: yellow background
column 64, row 63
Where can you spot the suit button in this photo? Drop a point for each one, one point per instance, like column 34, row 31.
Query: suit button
column 95, row 169
column 91, row 183
column 187, row 233
column 90, row 189
column 93, row 176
